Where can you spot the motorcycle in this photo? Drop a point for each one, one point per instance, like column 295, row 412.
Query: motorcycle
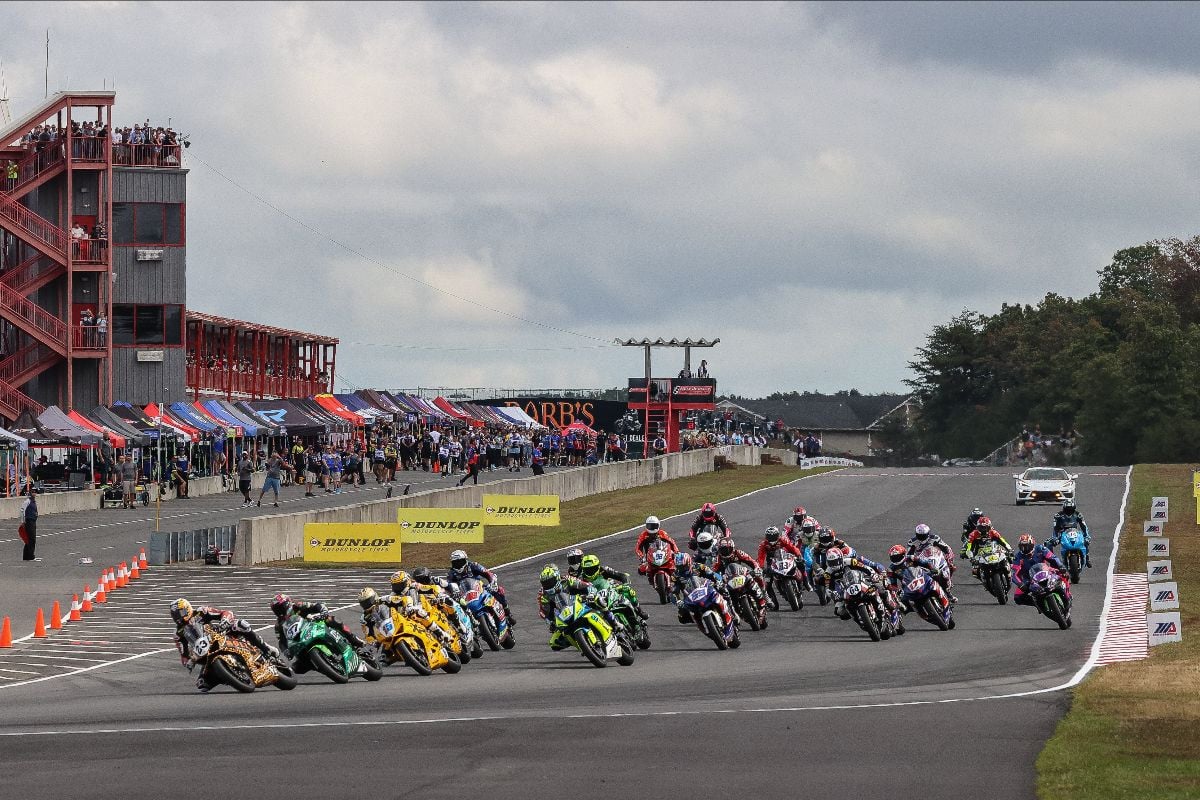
column 312, row 643
column 782, row 580
column 584, row 627
column 705, row 604
column 231, row 660
column 1051, row 595
column 459, row 622
column 925, row 596
column 745, row 594
column 488, row 612
column 1074, row 551
column 619, row 600
column 991, row 567
column 660, row 570
column 401, row 639
column 936, row 559
column 864, row 605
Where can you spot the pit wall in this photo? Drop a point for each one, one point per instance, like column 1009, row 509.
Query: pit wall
column 281, row 536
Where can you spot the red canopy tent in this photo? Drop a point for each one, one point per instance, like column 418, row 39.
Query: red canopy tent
column 331, row 404
column 117, row 439
column 448, row 407
column 171, row 421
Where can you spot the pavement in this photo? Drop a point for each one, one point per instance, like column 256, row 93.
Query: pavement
column 110, row 536
column 807, row 706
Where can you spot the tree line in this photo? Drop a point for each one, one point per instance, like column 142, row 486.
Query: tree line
column 1121, row 366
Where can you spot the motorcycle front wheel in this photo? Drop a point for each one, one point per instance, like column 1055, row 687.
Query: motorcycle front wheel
column 238, row 677
column 747, row 612
column 995, row 583
column 418, row 662
column 660, row 586
column 792, row 594
column 323, row 665
column 934, row 611
column 487, row 629
column 583, row 639
column 286, row 680
column 1074, row 566
column 713, row 629
column 867, row 620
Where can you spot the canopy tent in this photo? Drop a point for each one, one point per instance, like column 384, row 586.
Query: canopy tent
column 449, row 409
column 133, row 437
column 335, row 407
column 138, row 419
column 359, row 406
column 224, row 428
column 381, row 401
column 38, row 435
column 579, row 427
column 163, row 415
column 10, row 440
column 116, row 439
column 266, row 426
column 54, row 419
column 216, row 412
column 401, row 401
column 425, row 407
column 518, row 417
column 333, row 422
column 298, row 420
column 184, row 412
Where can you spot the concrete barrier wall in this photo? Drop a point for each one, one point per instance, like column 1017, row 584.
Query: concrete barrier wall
column 52, row 503
column 281, row 536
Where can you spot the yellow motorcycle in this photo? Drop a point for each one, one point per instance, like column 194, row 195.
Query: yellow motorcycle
column 402, row 640
column 452, row 626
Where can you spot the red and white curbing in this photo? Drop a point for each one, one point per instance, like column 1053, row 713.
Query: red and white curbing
column 1124, row 636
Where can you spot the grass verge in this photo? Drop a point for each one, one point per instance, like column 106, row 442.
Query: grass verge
column 1133, row 730
column 589, row 517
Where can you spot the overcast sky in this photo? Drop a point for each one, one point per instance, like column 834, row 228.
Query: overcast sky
column 817, row 185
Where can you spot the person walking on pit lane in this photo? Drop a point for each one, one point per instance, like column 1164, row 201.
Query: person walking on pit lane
column 245, row 469
column 128, row 472
column 29, row 513
column 275, row 467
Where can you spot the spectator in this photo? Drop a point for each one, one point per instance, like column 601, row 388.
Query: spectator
column 12, row 173
column 245, row 470
column 30, row 515
column 703, row 371
column 101, row 330
column 275, row 467
column 128, row 472
column 812, row 445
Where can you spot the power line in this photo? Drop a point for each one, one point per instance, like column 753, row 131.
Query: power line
column 477, row 349
column 321, row 234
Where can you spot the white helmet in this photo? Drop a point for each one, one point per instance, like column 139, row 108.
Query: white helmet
column 652, row 524
column 922, row 531
column 458, row 559
column 704, row 542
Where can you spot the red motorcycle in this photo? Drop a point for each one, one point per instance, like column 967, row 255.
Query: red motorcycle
column 660, row 570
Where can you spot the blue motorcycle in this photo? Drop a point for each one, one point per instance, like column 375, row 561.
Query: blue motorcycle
column 1074, row 551
column 922, row 593
column 702, row 602
column 494, row 627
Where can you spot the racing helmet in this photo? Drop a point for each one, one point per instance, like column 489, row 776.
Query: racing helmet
column 550, row 576
column 921, row 532
column 1026, row 544
column 423, row 576
column 808, row 526
column 589, row 567
column 368, row 598
column 458, row 559
column 574, row 557
column 652, row 524
column 896, row 554
column 825, row 537
column 401, row 582
column 800, row 512
column 708, row 511
column 181, row 611
column 725, row 548
column 683, row 563
column 835, row 562
column 976, row 512
column 772, row 535
column 1068, row 507
column 281, row 604
column 704, row 542
column 984, row 525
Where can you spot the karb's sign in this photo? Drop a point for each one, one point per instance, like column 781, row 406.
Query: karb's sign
column 351, row 541
column 441, row 525
column 521, row 509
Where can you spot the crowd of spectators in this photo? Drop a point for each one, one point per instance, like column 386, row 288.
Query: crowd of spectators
column 247, row 366
column 142, row 145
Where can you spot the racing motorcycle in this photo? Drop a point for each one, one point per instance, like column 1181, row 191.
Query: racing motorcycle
column 579, row 624
column 402, row 640
column 923, row 594
column 489, row 614
column 704, row 604
column 1050, row 594
column 311, row 643
column 459, row 622
column 619, row 601
column 1073, row 553
column 991, row 567
column 864, row 604
column 660, row 570
column 936, row 561
column 745, row 595
column 226, row 658
column 782, row 580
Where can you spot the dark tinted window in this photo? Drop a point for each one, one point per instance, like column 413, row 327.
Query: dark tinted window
column 122, row 223
column 174, row 228
column 148, row 223
column 174, row 324
column 121, row 324
column 149, row 321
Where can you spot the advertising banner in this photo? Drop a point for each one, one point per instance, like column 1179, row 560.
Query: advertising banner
column 1196, row 484
column 1164, row 596
column 1164, row 627
column 1159, row 503
column 1153, row 528
column 1159, row 571
column 1158, row 548
column 440, row 525
column 351, row 541
column 1158, row 514
column 521, row 509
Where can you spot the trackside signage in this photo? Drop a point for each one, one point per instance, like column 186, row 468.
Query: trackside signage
column 351, row 541
column 1158, row 548
column 1159, row 514
column 521, row 509
column 1158, row 571
column 1159, row 503
column 1164, row 596
column 441, row 525
column 1164, row 627
column 1153, row 528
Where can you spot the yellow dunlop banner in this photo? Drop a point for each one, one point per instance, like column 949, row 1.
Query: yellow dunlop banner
column 440, row 525
column 351, row 541
column 521, row 509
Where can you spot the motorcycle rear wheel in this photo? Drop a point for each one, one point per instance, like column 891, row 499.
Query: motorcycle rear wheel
column 223, row 674
column 583, row 640
column 418, row 662
column 660, row 586
column 487, row 629
column 714, row 632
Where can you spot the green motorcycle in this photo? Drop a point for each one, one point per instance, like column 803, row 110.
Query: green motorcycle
column 577, row 623
column 620, row 600
column 311, row 643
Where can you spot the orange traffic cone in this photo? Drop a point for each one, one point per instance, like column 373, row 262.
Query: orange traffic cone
column 133, row 571
column 5, row 633
column 122, row 576
column 106, row 581
column 39, row 626
column 100, row 597
column 112, row 578
column 87, row 599
column 436, row 467
column 55, row 617
column 75, row 609
column 142, row 563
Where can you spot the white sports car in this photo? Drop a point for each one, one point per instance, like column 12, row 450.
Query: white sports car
column 1044, row 485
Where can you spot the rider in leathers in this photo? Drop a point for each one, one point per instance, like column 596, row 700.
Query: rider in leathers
column 439, row 593
column 653, row 532
column 923, row 537
column 708, row 516
column 283, row 606
column 875, row 573
column 971, row 523
column 1030, row 553
column 1070, row 517
column 462, row 567
column 189, row 625
column 686, row 572
column 728, row 553
column 554, row 584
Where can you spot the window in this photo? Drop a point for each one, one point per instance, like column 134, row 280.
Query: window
column 148, row 223
column 147, row 325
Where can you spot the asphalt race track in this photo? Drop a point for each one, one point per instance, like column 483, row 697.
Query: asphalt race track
column 810, row 706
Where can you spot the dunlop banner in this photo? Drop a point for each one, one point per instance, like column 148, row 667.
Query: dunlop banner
column 351, row 541
column 441, row 525
column 521, row 509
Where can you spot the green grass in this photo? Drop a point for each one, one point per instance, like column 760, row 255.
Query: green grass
column 589, row 517
column 1133, row 730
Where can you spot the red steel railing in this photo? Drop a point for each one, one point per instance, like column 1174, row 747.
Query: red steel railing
column 38, row 228
column 166, row 156
column 15, row 402
column 88, row 337
column 37, row 318
column 88, row 251
column 249, row 384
